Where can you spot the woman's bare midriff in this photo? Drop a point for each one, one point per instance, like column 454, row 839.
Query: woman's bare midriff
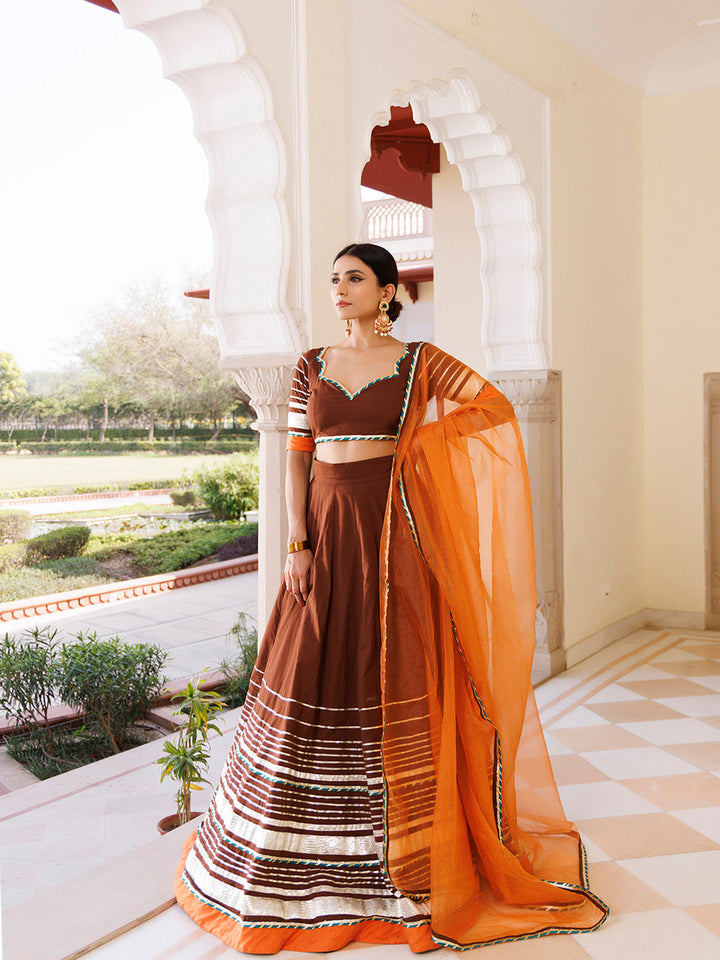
column 345, row 451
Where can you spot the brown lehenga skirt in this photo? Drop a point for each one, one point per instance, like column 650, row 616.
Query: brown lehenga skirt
column 290, row 854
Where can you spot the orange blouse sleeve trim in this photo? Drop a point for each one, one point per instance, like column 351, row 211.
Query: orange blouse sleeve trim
column 306, row 444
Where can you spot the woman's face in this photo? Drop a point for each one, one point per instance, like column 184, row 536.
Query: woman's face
column 355, row 290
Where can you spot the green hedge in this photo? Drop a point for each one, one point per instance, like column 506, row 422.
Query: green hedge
column 177, row 549
column 64, row 542
column 183, row 498
column 111, row 447
column 115, row 434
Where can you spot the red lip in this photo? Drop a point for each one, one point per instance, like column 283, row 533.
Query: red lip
column 341, row 303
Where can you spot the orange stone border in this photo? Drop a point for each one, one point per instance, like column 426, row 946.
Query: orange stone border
column 9, row 502
column 15, row 610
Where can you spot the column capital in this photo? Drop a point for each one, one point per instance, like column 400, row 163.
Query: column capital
column 266, row 381
column 534, row 394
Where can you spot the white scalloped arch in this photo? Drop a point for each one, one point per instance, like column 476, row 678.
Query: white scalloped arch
column 204, row 53
column 511, row 319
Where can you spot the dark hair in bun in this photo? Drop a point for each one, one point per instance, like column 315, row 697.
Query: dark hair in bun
column 382, row 263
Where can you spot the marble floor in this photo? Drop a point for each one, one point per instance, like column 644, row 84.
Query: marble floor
column 633, row 733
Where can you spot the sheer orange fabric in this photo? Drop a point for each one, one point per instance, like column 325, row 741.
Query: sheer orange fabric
column 473, row 817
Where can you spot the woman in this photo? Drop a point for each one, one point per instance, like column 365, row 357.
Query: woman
column 389, row 781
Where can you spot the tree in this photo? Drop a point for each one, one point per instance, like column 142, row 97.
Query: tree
column 158, row 351
column 13, row 391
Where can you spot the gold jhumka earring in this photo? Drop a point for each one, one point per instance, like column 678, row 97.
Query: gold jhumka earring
column 348, row 327
column 383, row 323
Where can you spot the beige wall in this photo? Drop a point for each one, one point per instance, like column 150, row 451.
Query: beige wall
column 681, row 211
column 596, row 299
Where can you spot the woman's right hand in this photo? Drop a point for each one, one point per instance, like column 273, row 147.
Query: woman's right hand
column 298, row 575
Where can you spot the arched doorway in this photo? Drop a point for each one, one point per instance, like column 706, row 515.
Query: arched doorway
column 258, row 206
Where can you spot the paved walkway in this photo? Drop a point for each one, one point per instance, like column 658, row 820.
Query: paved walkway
column 633, row 738
column 191, row 623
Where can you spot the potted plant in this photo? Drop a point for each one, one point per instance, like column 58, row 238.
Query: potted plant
column 186, row 759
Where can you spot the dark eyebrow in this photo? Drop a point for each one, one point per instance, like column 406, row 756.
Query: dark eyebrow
column 348, row 273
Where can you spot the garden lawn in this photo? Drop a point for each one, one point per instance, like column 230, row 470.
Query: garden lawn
column 51, row 576
column 123, row 556
column 34, row 472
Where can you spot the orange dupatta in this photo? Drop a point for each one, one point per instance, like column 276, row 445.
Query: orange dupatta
column 473, row 819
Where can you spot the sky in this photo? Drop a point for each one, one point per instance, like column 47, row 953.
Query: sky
column 101, row 179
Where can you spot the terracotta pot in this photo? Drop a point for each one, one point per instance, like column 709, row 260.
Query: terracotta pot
column 170, row 822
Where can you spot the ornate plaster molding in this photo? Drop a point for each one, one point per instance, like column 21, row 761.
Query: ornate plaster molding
column 505, row 216
column 267, row 384
column 203, row 51
column 535, row 396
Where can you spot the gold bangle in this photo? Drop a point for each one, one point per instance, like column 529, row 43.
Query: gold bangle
column 298, row 545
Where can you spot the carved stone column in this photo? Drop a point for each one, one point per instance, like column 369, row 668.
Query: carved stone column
column 267, row 384
column 536, row 397
column 712, row 500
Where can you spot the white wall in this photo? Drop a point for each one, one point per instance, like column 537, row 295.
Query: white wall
column 457, row 255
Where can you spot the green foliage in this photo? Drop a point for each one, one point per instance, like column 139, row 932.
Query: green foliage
column 238, row 669
column 29, row 492
column 64, row 542
column 230, row 489
column 29, row 678
column 12, row 556
column 186, row 760
column 111, row 682
column 110, row 447
column 12, row 382
column 177, row 549
column 72, row 747
column 14, row 525
column 183, row 498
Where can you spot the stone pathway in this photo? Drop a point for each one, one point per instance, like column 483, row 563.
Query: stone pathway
column 192, row 624
column 633, row 738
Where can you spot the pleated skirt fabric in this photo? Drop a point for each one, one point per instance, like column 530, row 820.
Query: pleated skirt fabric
column 290, row 854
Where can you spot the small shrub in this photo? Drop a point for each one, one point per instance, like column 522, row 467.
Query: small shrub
column 14, row 525
column 12, row 556
column 177, row 549
column 187, row 759
column 242, row 547
column 231, row 489
column 111, row 682
column 183, row 498
column 65, row 542
column 237, row 670
column 29, row 678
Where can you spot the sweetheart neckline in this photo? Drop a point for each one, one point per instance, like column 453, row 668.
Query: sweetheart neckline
column 349, row 394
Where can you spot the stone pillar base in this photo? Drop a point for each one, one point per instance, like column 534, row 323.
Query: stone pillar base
column 536, row 397
column 267, row 384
